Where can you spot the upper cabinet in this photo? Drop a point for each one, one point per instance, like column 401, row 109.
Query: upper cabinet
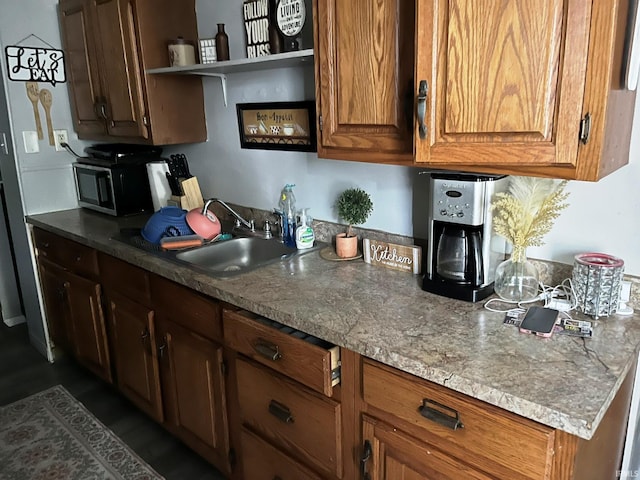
column 529, row 87
column 109, row 44
column 364, row 80
column 524, row 87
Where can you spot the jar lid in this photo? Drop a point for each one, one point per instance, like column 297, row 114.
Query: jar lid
column 601, row 260
column 180, row 41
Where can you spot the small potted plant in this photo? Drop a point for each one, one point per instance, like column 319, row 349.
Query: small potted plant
column 354, row 207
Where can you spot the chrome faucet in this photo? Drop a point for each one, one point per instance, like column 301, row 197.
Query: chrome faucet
column 240, row 224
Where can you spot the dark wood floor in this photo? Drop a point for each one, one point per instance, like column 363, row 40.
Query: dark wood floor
column 23, row 372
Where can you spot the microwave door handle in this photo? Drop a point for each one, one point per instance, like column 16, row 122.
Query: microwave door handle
column 104, row 194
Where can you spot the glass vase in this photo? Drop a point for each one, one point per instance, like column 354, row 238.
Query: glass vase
column 517, row 279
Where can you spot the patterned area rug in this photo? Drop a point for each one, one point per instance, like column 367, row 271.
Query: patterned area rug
column 50, row 435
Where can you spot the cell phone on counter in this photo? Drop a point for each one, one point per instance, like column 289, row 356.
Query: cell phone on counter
column 539, row 321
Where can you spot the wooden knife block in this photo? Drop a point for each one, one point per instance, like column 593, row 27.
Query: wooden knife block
column 192, row 197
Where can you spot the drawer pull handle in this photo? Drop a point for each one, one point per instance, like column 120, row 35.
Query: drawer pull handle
column 267, row 350
column 162, row 348
column 445, row 416
column 280, row 411
column 364, row 459
column 423, row 92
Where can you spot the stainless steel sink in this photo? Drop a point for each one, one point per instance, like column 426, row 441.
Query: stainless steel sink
column 236, row 255
column 224, row 258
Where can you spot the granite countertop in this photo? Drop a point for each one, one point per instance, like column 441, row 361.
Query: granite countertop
column 563, row 382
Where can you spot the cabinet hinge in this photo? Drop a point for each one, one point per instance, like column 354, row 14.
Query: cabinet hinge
column 585, row 128
column 320, row 122
column 145, row 120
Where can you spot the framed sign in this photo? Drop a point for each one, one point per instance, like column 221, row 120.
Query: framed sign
column 278, row 126
column 291, row 19
column 389, row 255
column 32, row 64
column 256, row 26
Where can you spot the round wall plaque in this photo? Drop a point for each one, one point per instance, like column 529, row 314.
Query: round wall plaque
column 290, row 15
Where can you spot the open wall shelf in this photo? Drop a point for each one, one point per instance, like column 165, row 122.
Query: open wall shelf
column 221, row 69
column 279, row 60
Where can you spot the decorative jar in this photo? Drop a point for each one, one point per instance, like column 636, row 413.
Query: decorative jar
column 222, row 44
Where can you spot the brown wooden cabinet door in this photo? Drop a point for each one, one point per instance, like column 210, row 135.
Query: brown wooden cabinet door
column 389, row 454
column 115, row 33
column 503, row 83
column 85, row 90
column 133, row 341
column 194, row 391
column 90, row 338
column 364, row 87
column 55, row 301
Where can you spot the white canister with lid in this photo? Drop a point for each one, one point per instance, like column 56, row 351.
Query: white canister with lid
column 181, row 53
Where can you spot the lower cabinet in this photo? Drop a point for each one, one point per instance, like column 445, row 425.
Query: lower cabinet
column 263, row 461
column 192, row 370
column 166, row 346
column 413, row 421
column 390, row 454
column 133, row 341
column 73, row 300
column 84, row 298
column 289, row 400
column 54, row 291
column 194, row 392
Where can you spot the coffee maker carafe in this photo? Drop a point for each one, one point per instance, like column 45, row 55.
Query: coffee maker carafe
column 463, row 250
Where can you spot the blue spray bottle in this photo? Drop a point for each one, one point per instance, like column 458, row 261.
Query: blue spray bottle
column 287, row 204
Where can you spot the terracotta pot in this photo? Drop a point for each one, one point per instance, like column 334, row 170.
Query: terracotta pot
column 346, row 247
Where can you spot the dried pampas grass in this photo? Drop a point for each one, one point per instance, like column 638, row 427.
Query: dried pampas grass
column 526, row 212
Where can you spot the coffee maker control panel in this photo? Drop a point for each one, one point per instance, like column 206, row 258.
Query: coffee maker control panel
column 458, row 201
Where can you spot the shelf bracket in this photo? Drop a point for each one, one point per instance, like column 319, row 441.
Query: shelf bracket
column 223, row 81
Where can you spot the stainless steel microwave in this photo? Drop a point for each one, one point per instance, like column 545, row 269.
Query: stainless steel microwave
column 116, row 189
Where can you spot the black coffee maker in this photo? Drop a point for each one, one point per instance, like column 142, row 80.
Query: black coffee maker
column 463, row 250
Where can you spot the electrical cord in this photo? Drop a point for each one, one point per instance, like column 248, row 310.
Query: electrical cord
column 563, row 291
column 66, row 146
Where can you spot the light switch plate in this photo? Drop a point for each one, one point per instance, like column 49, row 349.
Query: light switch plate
column 30, row 139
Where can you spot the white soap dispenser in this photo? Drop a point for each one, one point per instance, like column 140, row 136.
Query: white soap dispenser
column 304, row 233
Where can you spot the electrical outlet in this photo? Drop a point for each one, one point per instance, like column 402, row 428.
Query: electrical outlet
column 59, row 137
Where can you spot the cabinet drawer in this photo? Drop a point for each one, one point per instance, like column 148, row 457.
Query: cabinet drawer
column 66, row 253
column 133, row 281
column 288, row 415
column 186, row 307
column 304, row 358
column 262, row 461
column 503, row 443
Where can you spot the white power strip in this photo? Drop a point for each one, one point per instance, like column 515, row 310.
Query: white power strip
column 559, row 304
